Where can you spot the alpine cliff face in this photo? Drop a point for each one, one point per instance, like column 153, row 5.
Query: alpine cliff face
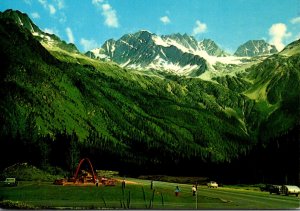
column 145, row 50
column 212, row 48
column 255, row 48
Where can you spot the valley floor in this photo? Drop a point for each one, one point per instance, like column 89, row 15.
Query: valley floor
column 138, row 195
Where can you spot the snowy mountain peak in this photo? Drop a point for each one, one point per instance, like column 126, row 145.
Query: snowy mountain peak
column 144, row 34
column 145, row 50
column 212, row 48
column 255, row 48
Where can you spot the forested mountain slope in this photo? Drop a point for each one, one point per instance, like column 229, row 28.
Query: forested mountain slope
column 57, row 106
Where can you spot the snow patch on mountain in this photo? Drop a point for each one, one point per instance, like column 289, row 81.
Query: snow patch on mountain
column 159, row 41
column 98, row 54
column 212, row 60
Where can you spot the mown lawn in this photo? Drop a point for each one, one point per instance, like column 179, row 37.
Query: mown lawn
column 46, row 195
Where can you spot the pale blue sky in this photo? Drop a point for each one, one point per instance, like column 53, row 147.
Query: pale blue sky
column 88, row 23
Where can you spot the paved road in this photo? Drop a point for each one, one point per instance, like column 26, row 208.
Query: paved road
column 247, row 199
column 230, row 198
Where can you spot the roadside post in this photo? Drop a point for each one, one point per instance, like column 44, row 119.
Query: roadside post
column 196, row 199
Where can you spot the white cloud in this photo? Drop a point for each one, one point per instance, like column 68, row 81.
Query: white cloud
column 88, row 44
column 60, row 4
column 63, row 18
column 44, row 3
column 165, row 20
column 110, row 15
column 52, row 9
column 278, row 32
column 199, row 28
column 51, row 31
column 35, row 15
column 70, row 35
column 97, row 2
column 295, row 20
column 49, row 7
column 106, row 7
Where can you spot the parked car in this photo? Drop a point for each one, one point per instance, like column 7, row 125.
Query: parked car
column 59, row 181
column 290, row 189
column 10, row 182
column 212, row 184
column 265, row 187
column 275, row 189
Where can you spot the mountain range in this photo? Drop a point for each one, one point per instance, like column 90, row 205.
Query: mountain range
column 58, row 105
column 176, row 53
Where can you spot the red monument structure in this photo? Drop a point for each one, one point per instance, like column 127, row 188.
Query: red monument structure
column 85, row 177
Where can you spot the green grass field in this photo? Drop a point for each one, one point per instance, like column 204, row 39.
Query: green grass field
column 138, row 195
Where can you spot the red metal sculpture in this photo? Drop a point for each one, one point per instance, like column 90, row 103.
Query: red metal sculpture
column 78, row 168
column 85, row 178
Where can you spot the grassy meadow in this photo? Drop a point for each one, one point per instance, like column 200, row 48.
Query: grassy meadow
column 138, row 195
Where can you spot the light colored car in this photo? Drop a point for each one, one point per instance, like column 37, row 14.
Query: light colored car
column 212, row 184
column 10, row 182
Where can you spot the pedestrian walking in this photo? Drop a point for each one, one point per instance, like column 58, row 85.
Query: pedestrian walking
column 194, row 190
column 177, row 190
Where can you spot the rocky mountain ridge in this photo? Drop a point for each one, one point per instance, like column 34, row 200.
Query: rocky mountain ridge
column 51, row 40
column 177, row 53
column 255, row 48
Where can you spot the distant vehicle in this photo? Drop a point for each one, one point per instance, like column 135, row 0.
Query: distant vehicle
column 59, row 181
column 290, row 189
column 265, row 187
column 10, row 182
column 212, row 184
column 275, row 189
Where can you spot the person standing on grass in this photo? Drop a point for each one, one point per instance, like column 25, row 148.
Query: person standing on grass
column 194, row 190
column 151, row 184
column 177, row 190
